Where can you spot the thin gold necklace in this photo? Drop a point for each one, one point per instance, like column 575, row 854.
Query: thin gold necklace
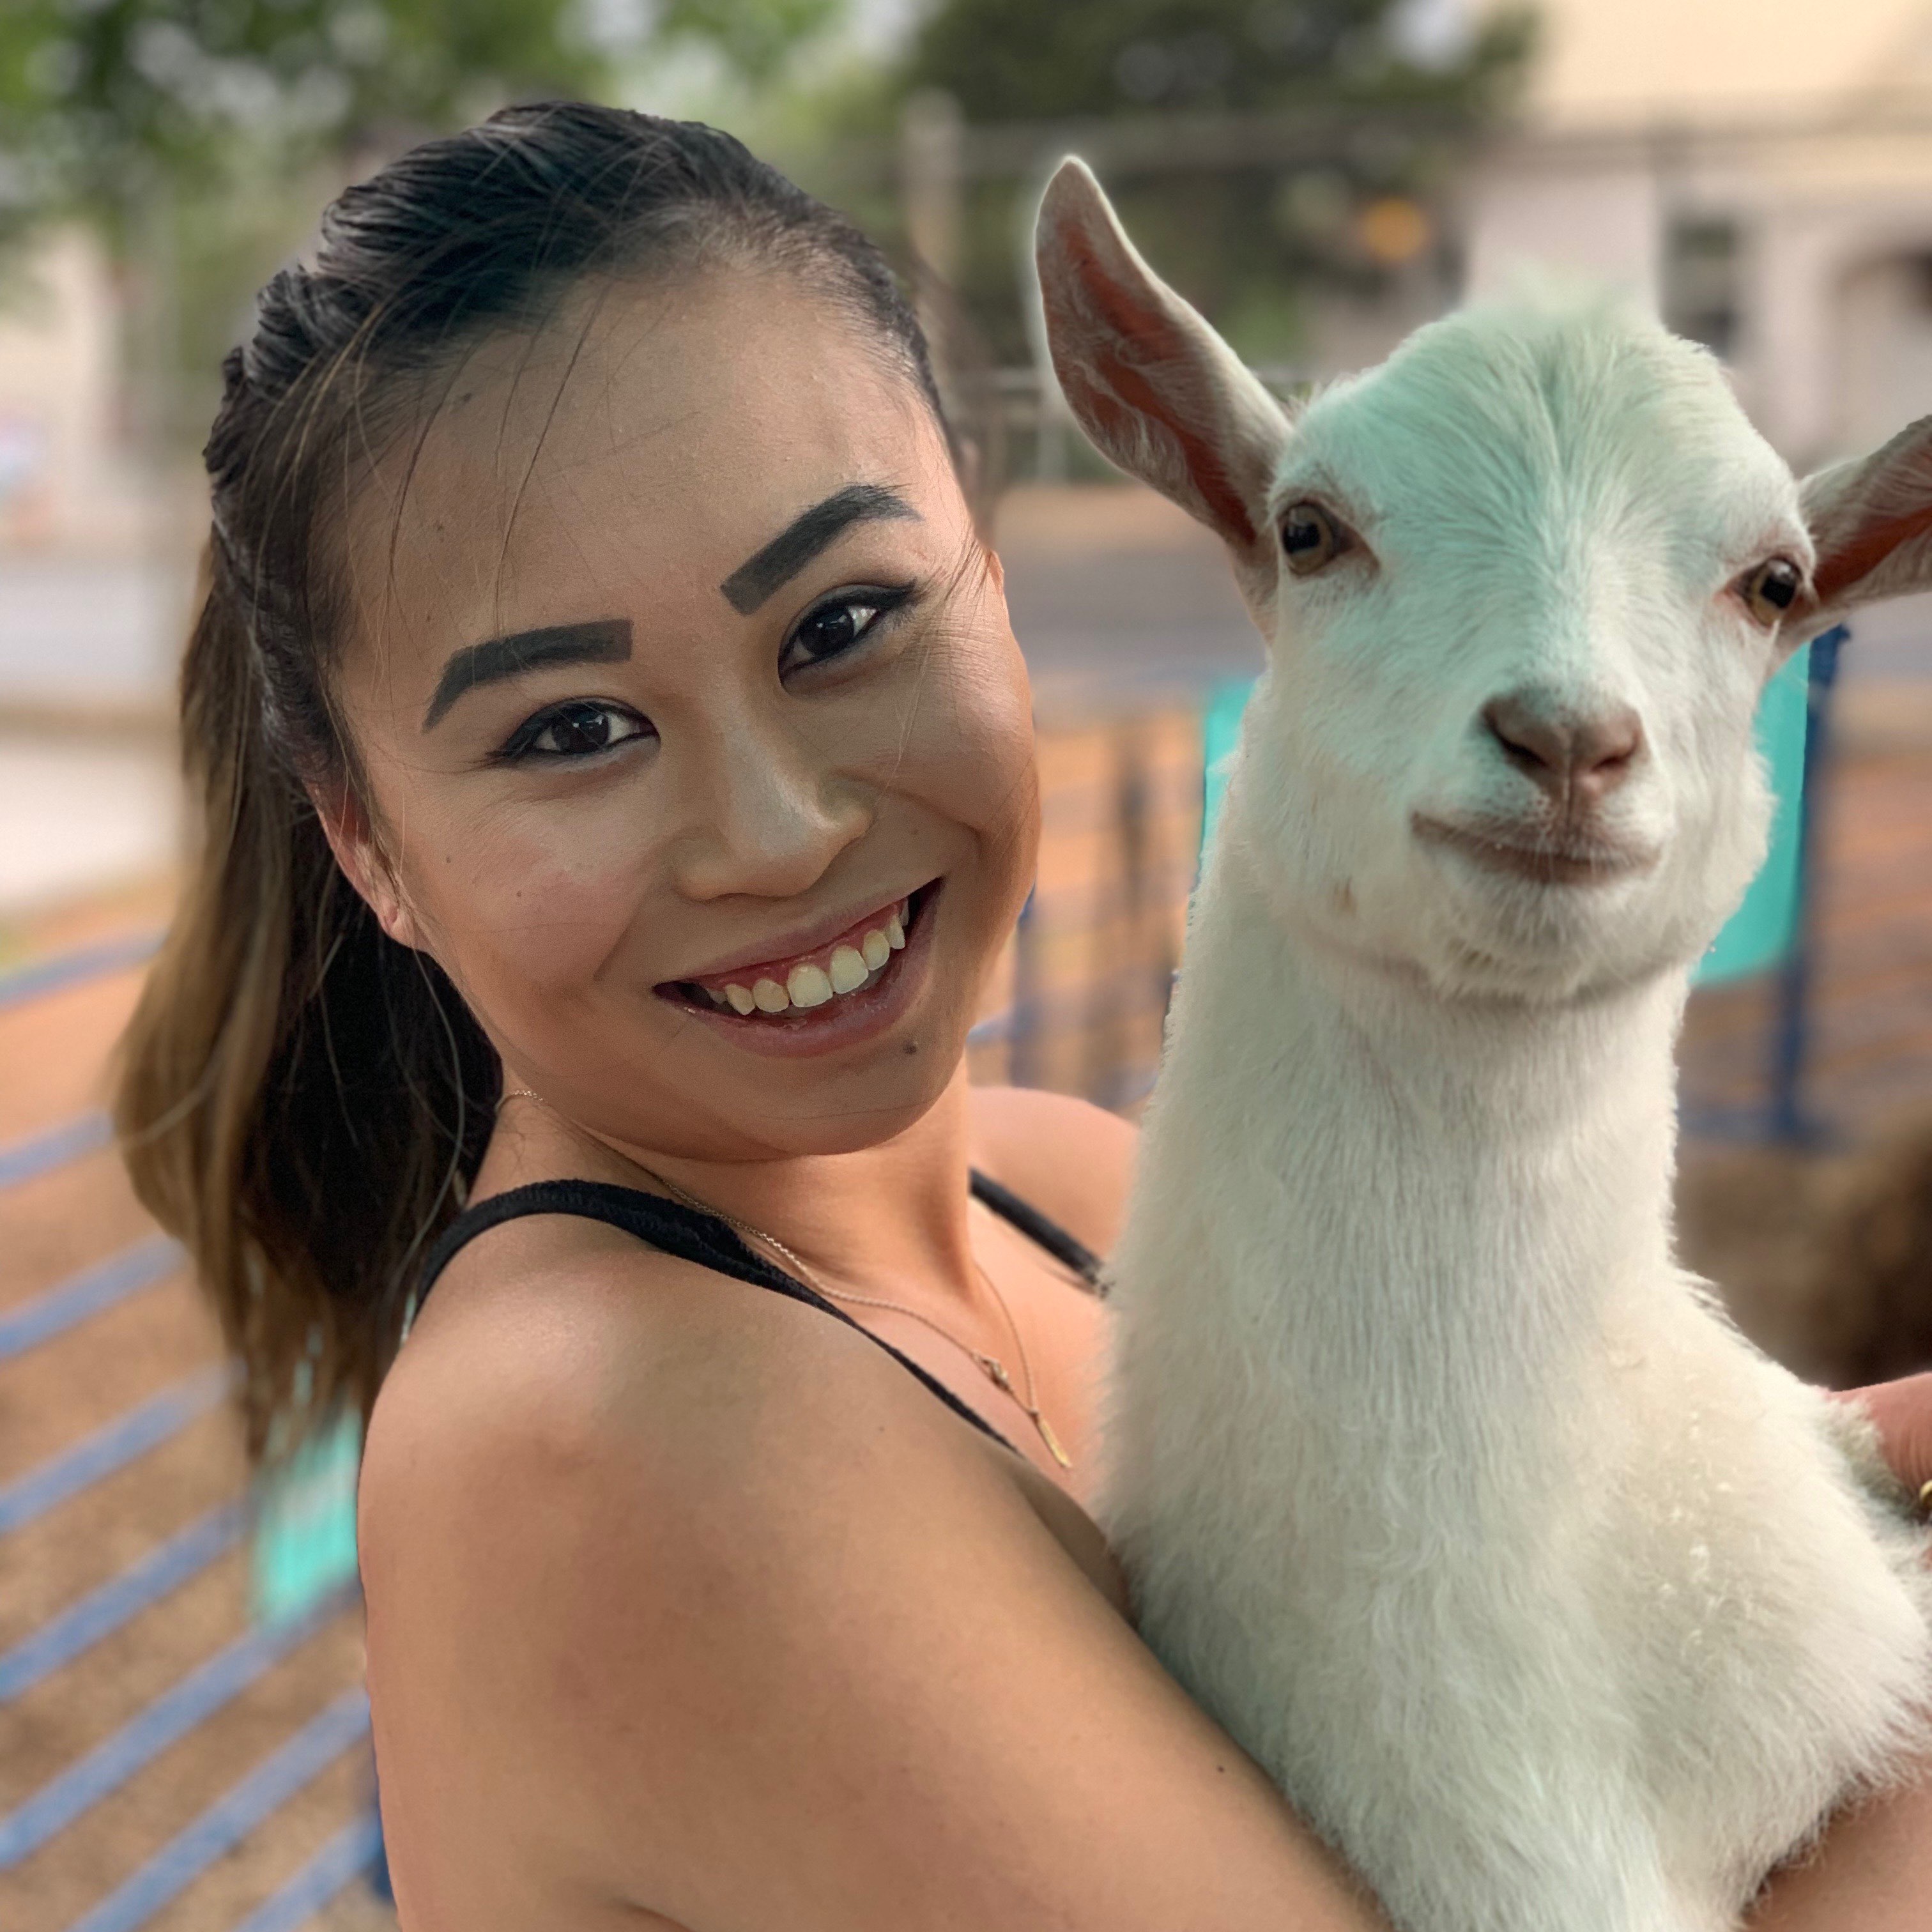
column 991, row 1366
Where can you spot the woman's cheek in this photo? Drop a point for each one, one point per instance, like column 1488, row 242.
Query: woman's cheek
column 967, row 746
column 534, row 904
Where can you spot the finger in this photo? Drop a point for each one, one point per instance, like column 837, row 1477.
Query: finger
column 1902, row 1410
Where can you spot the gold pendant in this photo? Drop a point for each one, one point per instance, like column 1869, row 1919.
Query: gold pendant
column 1052, row 1441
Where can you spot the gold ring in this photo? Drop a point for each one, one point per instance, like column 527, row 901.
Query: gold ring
column 1925, row 1499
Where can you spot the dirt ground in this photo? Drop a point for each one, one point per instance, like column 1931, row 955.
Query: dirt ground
column 53, row 1055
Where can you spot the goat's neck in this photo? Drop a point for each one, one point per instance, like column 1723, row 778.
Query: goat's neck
column 1483, row 1180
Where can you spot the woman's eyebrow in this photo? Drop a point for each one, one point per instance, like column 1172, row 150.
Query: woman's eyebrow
column 603, row 640
column 805, row 536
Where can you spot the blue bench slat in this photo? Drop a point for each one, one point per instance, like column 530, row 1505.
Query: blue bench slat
column 73, row 969
column 94, row 1289
column 26, row 1160
column 142, row 1428
column 102, row 1611
column 351, row 1852
column 168, row 1719
column 224, row 1825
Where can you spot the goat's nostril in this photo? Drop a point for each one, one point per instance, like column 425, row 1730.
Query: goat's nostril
column 1568, row 755
column 1605, row 749
column 1531, row 740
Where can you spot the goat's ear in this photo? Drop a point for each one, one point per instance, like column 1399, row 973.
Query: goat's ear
column 1160, row 393
column 1871, row 521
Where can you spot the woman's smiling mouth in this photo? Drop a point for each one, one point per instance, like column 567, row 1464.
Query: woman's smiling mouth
column 797, row 989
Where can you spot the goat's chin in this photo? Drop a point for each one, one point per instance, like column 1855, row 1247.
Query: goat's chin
column 1546, row 944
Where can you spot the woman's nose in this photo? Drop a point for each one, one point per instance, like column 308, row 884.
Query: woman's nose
column 767, row 818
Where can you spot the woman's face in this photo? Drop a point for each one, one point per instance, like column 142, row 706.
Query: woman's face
column 682, row 684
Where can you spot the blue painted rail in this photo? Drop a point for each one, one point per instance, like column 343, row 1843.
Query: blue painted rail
column 28, row 1160
column 146, row 1265
column 217, row 1682
column 102, row 1611
column 223, row 1826
column 42, row 977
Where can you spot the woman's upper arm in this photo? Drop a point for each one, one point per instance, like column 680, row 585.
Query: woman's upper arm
column 770, row 1657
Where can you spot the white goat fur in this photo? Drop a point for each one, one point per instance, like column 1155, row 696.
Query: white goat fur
column 1546, row 1598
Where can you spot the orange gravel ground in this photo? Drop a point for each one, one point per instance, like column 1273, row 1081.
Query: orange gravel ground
column 53, row 1056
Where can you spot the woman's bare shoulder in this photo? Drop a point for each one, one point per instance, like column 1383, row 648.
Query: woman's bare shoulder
column 777, row 1637
column 560, row 1345
column 1071, row 1159
column 598, row 1484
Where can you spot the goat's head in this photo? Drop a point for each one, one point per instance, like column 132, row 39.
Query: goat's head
column 1523, row 585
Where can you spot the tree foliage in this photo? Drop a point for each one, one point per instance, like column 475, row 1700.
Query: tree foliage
column 1007, row 60
column 1248, row 242
column 101, row 99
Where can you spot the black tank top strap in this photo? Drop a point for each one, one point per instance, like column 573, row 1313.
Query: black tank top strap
column 674, row 1229
column 1049, row 1234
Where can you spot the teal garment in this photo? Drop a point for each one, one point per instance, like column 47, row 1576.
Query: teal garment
column 304, row 1546
column 1762, row 930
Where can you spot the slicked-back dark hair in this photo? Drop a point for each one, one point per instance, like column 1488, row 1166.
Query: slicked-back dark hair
column 302, row 1101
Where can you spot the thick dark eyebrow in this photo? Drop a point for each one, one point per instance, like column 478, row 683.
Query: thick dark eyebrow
column 605, row 641
column 795, row 546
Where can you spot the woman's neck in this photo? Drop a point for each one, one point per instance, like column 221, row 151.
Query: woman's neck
column 890, row 1219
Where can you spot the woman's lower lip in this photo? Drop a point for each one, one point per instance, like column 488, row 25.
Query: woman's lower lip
column 847, row 1021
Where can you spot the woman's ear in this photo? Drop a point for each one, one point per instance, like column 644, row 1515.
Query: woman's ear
column 1159, row 393
column 345, row 824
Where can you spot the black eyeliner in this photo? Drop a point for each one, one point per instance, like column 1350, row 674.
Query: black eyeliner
column 886, row 602
column 517, row 747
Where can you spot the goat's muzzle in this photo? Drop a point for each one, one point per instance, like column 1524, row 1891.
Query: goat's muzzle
column 1576, row 759
column 1565, row 855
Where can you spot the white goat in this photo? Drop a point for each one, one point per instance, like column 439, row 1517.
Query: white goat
column 1550, row 1601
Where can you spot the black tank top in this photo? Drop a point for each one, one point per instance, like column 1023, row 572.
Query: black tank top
column 694, row 1236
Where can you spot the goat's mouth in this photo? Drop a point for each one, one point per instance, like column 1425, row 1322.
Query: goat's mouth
column 1570, row 860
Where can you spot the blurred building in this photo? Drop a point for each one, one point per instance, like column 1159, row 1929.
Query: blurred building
column 94, row 575
column 65, row 479
column 1761, row 171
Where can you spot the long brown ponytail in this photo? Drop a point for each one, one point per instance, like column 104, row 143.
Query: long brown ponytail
column 303, row 1102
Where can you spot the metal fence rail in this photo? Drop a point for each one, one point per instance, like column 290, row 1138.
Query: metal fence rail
column 220, row 1679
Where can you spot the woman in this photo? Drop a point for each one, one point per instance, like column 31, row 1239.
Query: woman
column 618, row 777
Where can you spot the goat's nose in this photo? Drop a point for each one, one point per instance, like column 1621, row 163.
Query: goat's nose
column 1574, row 758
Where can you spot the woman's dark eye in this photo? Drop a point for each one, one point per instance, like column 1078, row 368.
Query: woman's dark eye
column 578, row 730
column 1312, row 538
column 1768, row 592
column 829, row 629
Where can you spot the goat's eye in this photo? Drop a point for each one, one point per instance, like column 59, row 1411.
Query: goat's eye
column 1311, row 538
column 1769, row 591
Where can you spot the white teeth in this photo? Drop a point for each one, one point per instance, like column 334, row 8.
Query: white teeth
column 848, row 969
column 808, row 985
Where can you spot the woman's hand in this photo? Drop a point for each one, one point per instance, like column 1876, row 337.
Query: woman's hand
column 1874, row 1868
column 1902, row 1411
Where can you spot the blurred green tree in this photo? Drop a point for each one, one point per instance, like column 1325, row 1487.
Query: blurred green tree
column 199, row 137
column 101, row 100
column 1387, row 104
